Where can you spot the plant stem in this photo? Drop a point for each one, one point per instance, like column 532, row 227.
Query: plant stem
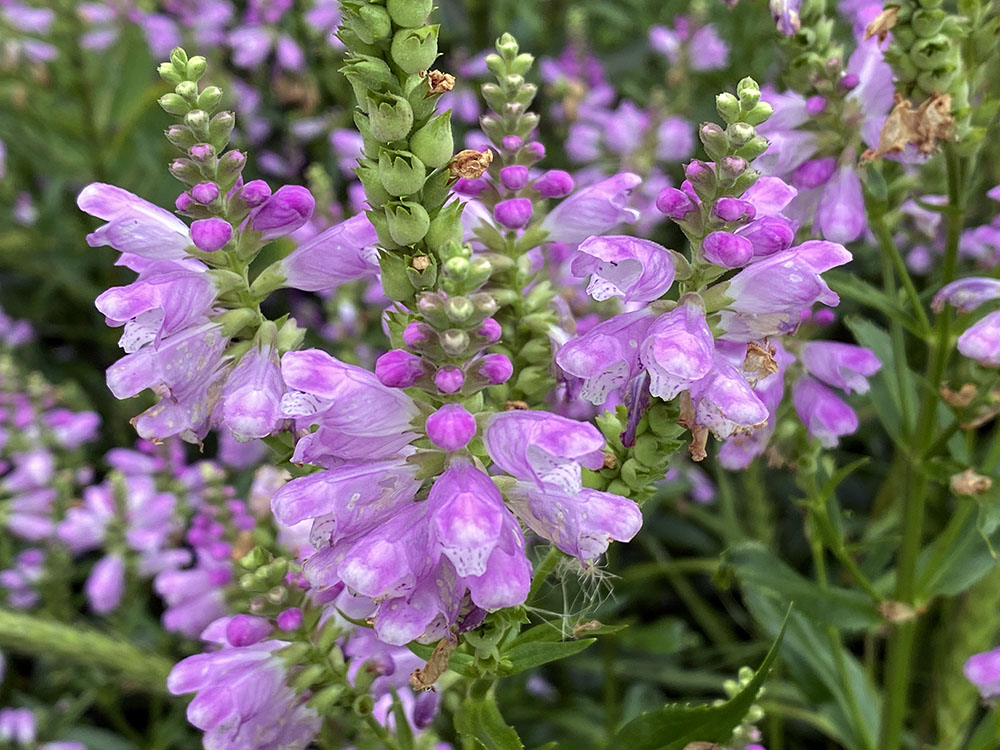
column 545, row 567
column 899, row 659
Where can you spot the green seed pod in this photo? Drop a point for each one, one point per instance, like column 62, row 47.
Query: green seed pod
column 409, row 13
column 422, row 271
column 931, row 81
column 395, row 282
column 408, row 222
column 400, row 172
column 728, row 107
column 433, row 143
column 381, row 223
column 446, row 228
column 369, row 72
column 391, row 117
column 414, row 50
column 370, row 22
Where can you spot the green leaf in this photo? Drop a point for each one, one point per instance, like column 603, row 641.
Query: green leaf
column 957, row 558
column 675, row 725
column 856, row 289
column 480, row 719
column 533, row 654
column 404, row 734
column 757, row 568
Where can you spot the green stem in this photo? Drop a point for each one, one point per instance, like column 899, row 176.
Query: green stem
column 899, row 658
column 382, row 733
column 36, row 636
column 544, row 569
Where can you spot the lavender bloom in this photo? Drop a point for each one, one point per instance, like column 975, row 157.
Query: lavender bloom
column 607, row 356
column 632, row 268
column 543, row 447
column 786, row 15
column 17, row 725
column 134, row 225
column 725, row 403
column 250, row 403
column 592, row 210
column 513, row 213
column 840, row 215
column 967, row 294
column 727, row 249
column 451, row 427
column 843, row 366
column 825, row 415
column 677, row 350
column 210, row 235
column 981, row 341
column 289, row 208
column 106, row 584
column 983, row 671
column 243, row 701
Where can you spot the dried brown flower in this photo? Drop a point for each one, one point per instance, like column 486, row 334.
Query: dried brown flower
column 470, row 163
column 922, row 127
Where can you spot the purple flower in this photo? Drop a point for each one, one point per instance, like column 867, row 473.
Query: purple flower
column 496, row 368
column 399, row 368
column 514, row 177
column 212, row 234
column 786, row 15
column 451, row 427
column 632, row 268
column 840, row 215
column 344, row 252
column 677, row 350
column 467, row 516
column 814, row 173
column 246, row 630
column 983, row 671
column 133, row 225
column 250, row 403
column 825, row 415
column 725, row 403
column 243, row 701
column 607, row 356
column 545, row 448
column 449, row 379
column 967, row 294
column 674, row 139
column 592, row 210
column 676, row 204
column 554, row 184
column 843, row 366
column 289, row 208
column 17, row 725
column 981, row 341
column 727, row 249
column 513, row 213
column 106, row 584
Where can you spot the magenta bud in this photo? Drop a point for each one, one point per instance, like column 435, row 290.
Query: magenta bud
column 183, row 202
column 849, row 82
column 554, row 184
column 733, row 166
column 212, row 234
column 511, row 142
column 514, row 213
column 246, row 630
column 232, row 161
column 727, row 250
column 675, row 203
column 416, row 333
column 734, row 209
column 514, row 177
column 202, row 151
column 496, row 368
column 205, row 192
column 490, row 330
column 697, row 170
column 449, row 379
column 536, row 150
column 290, row 619
column 469, row 188
column 398, row 369
column 255, row 192
column 814, row 173
column 815, row 105
column 824, row 316
column 289, row 208
column 451, row 427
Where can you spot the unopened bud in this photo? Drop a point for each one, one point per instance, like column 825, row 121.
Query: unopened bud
column 174, row 104
column 414, row 50
column 728, row 107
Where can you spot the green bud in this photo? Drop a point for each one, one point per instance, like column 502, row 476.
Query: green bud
column 370, row 22
column 485, row 303
column 745, row 84
column 325, row 699
column 179, row 59
column 290, row 336
column 368, row 172
column 458, row 309
column 759, row 113
column 169, row 73
column 408, row 222
column 414, row 50
column 180, row 136
column 496, row 65
column 480, row 270
column 740, row 133
column 197, row 120
column 391, row 117
column 409, row 13
column 522, row 63
column 633, row 475
column 433, row 142
column 196, row 68
column 220, row 128
column 754, row 148
column 308, row 677
column 936, row 80
column 400, row 172
column 728, row 107
column 254, row 558
column 456, row 267
column 507, row 46
column 446, row 228
column 742, row 183
column 209, row 98
column 174, row 104
column 927, row 22
column 714, row 139
column 749, row 96
column 454, row 342
column 931, row 53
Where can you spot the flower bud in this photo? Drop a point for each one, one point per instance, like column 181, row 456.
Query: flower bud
column 179, row 59
column 212, row 234
column 398, row 369
column 409, row 13
column 734, row 209
column 813, row 173
column 727, row 250
column 454, row 342
column 490, row 330
column 496, row 368
column 209, row 98
column 554, row 184
column 849, row 82
column 195, row 68
column 451, row 427
column 290, row 619
column 180, row 136
column 535, row 150
column 458, row 308
column 470, row 188
column 514, row 177
column 511, row 142
column 174, row 104
column 433, row 143
column 186, row 171
column 205, row 192
column 414, row 50
column 728, row 107
column 400, row 172
column 220, row 127
column 740, row 133
column 674, row 203
column 245, row 630
column 230, row 166
column 391, row 117
column 169, row 73
column 514, row 213
column 417, row 334
column 408, row 222
column 457, row 267
column 749, row 96
column 759, row 114
column 449, row 379
column 183, row 202
column 187, row 90
column 446, row 228
column 714, row 140
column 284, row 212
column 255, row 193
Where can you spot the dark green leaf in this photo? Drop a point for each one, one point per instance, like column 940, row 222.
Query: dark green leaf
column 480, row 719
column 533, row 654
